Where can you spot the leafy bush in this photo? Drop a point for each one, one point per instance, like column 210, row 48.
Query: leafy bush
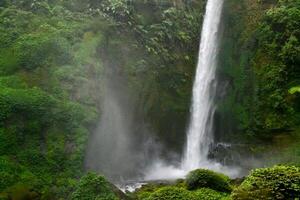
column 276, row 66
column 93, row 186
column 43, row 129
column 30, row 103
column 146, row 190
column 209, row 194
column 12, row 174
column 19, row 192
column 3, row 3
column 178, row 193
column 173, row 193
column 294, row 90
column 202, row 178
column 12, row 82
column 279, row 182
column 119, row 10
column 8, row 172
column 42, row 50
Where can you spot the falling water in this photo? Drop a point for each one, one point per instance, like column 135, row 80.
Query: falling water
column 199, row 136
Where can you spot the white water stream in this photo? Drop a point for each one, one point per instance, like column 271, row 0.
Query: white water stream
column 199, row 135
column 200, row 130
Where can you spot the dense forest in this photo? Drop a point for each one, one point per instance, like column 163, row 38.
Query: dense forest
column 54, row 59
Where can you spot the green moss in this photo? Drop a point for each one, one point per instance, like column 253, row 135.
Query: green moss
column 279, row 182
column 13, row 174
column 258, row 61
column 209, row 194
column 146, row 190
column 20, row 192
column 202, row 178
column 174, row 193
column 93, row 186
column 180, row 193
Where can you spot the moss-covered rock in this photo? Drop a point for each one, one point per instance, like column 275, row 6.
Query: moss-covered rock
column 279, row 182
column 174, row 193
column 180, row 193
column 209, row 194
column 146, row 190
column 93, row 186
column 202, row 178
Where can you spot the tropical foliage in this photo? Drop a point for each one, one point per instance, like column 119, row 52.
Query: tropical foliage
column 53, row 55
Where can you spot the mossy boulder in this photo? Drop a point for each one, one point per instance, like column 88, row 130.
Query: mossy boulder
column 174, row 193
column 181, row 193
column 203, row 178
column 209, row 194
column 146, row 190
column 278, row 182
column 93, row 186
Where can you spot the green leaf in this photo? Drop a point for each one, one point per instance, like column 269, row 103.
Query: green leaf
column 294, row 90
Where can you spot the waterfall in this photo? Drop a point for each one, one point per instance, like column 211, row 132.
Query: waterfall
column 199, row 134
column 200, row 130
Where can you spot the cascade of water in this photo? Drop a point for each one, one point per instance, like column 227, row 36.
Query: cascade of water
column 199, row 135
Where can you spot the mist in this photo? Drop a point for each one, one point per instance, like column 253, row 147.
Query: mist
column 122, row 145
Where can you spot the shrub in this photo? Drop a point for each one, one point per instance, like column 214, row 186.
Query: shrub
column 209, row 194
column 178, row 193
column 202, row 178
column 93, row 186
column 3, row 3
column 146, row 190
column 279, row 182
column 38, row 50
column 29, row 103
column 8, row 171
column 173, row 193
column 19, row 192
column 12, row 82
column 13, row 174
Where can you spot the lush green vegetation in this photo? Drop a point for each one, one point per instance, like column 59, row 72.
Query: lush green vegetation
column 51, row 69
column 177, row 193
column 93, row 186
column 278, row 40
column 278, row 182
column 205, row 178
column 53, row 54
column 259, row 58
column 44, row 121
column 267, row 66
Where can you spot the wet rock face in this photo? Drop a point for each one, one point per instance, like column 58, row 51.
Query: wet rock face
column 232, row 155
column 220, row 152
column 227, row 154
column 120, row 194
